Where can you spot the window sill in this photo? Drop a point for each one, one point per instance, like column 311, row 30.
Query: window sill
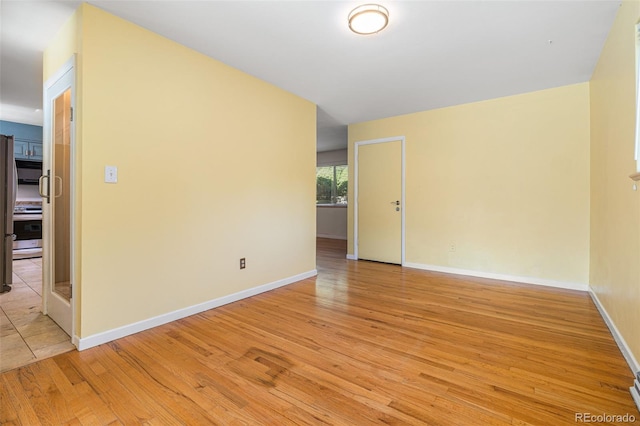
column 332, row 206
column 635, row 176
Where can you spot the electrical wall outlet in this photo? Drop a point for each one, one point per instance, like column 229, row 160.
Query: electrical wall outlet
column 243, row 263
column 452, row 247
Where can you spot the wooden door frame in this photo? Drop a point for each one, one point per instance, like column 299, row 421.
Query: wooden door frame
column 402, row 195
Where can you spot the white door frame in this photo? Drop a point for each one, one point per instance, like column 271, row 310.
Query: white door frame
column 48, row 243
column 402, row 196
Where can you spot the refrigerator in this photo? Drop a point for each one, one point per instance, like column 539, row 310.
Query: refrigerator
column 8, row 190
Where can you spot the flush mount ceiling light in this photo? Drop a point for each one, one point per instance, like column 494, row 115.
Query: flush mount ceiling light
column 368, row 19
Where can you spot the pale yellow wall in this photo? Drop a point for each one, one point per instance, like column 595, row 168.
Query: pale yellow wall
column 64, row 45
column 615, row 207
column 506, row 181
column 213, row 165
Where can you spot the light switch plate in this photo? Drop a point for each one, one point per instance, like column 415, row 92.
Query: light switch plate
column 110, row 174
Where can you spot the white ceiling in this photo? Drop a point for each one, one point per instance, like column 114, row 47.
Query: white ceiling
column 433, row 54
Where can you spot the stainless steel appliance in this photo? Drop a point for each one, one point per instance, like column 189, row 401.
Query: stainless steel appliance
column 27, row 228
column 28, row 172
column 8, row 190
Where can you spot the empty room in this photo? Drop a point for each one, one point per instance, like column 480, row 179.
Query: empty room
column 320, row 212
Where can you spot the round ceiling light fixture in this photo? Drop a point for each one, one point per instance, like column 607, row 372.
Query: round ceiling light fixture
column 368, row 19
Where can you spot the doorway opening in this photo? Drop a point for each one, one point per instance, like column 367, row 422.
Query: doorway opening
column 37, row 316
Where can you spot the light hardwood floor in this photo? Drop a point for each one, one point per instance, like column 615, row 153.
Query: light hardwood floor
column 363, row 343
column 26, row 335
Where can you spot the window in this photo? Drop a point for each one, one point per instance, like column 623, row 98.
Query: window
column 331, row 185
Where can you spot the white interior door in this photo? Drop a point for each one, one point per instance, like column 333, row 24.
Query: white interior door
column 56, row 189
column 379, row 201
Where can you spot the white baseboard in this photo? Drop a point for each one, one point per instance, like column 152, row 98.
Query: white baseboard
column 624, row 348
column 351, row 256
column 332, row 237
column 635, row 392
column 126, row 330
column 622, row 344
column 501, row 277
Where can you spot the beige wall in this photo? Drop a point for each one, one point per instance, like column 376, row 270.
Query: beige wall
column 65, row 44
column 169, row 117
column 505, row 181
column 615, row 206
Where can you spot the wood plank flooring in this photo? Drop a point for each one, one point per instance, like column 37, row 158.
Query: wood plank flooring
column 363, row 343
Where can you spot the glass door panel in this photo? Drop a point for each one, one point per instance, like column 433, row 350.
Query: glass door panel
column 60, row 195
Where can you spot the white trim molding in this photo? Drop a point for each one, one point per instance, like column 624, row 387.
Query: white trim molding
column 622, row 344
column 352, row 257
column 129, row 329
column 635, row 391
column 501, row 277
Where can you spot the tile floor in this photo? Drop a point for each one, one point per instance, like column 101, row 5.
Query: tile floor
column 26, row 335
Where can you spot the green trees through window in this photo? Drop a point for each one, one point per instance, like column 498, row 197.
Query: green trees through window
column 331, row 184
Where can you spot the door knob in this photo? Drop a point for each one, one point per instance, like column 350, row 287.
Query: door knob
column 397, row 203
